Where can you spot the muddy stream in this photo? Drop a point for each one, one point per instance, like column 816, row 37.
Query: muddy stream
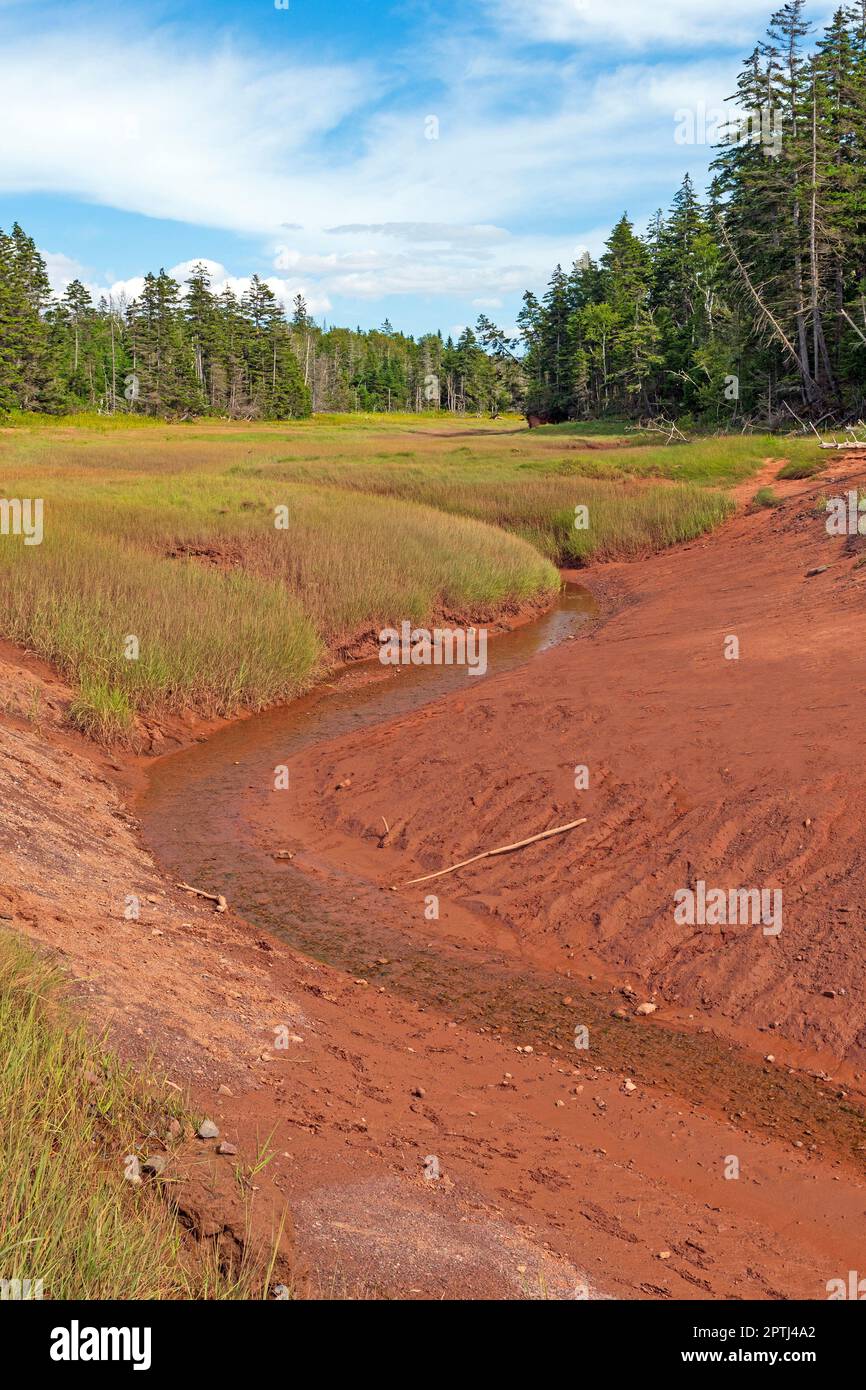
column 202, row 813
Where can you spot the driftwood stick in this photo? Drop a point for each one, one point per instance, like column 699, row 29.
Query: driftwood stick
column 502, row 849
column 221, row 904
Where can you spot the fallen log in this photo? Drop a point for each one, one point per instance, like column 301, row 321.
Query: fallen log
column 501, row 849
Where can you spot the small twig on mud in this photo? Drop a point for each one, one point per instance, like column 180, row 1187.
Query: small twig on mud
column 387, row 831
column 502, row 849
column 221, row 904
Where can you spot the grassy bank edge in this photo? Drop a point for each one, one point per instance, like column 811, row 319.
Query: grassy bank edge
column 72, row 1117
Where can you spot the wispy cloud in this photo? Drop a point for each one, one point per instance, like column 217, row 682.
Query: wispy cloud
column 331, row 165
column 635, row 24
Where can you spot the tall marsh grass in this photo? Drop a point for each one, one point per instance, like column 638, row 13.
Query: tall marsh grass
column 166, row 534
column 70, row 1113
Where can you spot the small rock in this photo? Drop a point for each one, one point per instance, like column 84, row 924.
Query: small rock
column 224, row 1147
column 154, row 1164
column 283, row 854
column 643, row 1009
column 664, row 1255
column 207, row 1130
column 419, row 1092
column 629, row 1086
column 770, row 1057
column 819, row 569
column 224, row 1091
column 132, row 1170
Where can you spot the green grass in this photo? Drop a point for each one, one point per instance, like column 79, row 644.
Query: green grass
column 70, row 1115
column 166, row 533
column 801, row 468
column 765, row 497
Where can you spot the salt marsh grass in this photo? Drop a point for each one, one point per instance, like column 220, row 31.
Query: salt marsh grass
column 167, row 533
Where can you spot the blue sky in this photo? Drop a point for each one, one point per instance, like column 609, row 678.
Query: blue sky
column 417, row 161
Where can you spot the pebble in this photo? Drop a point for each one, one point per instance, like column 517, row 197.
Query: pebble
column 207, row 1130
column 224, row 1147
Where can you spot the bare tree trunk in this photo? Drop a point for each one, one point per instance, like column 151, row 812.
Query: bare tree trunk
column 820, row 356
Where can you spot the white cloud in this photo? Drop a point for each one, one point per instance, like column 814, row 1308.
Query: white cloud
column 683, row 24
column 62, row 269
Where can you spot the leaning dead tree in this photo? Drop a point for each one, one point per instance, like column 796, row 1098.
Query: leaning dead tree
column 767, row 318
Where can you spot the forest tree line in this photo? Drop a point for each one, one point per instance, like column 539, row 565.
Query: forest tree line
column 752, row 303
column 746, row 304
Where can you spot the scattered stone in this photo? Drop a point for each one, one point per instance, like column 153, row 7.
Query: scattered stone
column 629, row 1086
column 154, row 1164
column 419, row 1092
column 643, row 1009
column 819, row 569
column 224, row 1091
column 224, row 1147
column 207, row 1130
column 282, row 854
column 132, row 1170
column 770, row 1057
column 664, row 1255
